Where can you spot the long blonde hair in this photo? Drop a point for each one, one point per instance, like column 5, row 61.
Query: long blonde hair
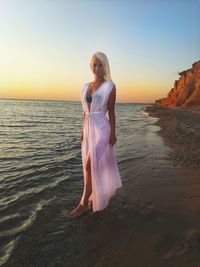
column 104, row 60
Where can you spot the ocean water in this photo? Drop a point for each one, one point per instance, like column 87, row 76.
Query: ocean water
column 40, row 160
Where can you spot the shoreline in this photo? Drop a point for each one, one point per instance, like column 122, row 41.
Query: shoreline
column 180, row 129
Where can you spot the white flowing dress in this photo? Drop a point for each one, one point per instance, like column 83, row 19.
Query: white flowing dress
column 96, row 134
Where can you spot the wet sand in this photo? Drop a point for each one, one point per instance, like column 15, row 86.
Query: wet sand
column 154, row 220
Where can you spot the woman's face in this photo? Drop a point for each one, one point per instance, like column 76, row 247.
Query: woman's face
column 97, row 68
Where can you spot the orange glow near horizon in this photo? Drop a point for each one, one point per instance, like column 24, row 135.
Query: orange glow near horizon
column 72, row 92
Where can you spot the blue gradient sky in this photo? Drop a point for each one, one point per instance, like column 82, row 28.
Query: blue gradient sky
column 46, row 46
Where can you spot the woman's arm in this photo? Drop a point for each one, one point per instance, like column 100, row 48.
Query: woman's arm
column 111, row 112
column 82, row 128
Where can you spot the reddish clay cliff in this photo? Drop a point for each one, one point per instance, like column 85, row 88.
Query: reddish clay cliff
column 186, row 90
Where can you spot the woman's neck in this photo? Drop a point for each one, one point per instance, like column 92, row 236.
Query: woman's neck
column 99, row 79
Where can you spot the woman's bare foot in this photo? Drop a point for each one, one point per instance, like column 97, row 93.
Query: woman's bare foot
column 79, row 210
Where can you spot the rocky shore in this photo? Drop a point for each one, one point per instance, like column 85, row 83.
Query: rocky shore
column 180, row 129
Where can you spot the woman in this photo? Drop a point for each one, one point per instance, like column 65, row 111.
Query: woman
column 101, row 174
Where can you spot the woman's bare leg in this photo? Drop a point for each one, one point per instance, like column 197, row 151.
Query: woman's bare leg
column 88, row 186
column 88, row 190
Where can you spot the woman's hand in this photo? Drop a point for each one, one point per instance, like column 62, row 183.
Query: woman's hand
column 113, row 139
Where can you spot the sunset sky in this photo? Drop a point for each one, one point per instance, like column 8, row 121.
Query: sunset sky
column 46, row 46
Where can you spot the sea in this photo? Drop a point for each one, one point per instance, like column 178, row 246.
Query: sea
column 41, row 167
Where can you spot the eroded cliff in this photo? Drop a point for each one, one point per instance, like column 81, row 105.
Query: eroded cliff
column 186, row 90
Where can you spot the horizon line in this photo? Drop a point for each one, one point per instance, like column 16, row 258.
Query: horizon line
column 62, row 100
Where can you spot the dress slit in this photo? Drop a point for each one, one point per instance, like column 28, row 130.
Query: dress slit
column 85, row 175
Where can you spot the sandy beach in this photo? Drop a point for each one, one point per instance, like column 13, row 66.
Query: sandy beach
column 153, row 221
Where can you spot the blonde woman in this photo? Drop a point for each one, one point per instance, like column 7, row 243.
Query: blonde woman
column 98, row 141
